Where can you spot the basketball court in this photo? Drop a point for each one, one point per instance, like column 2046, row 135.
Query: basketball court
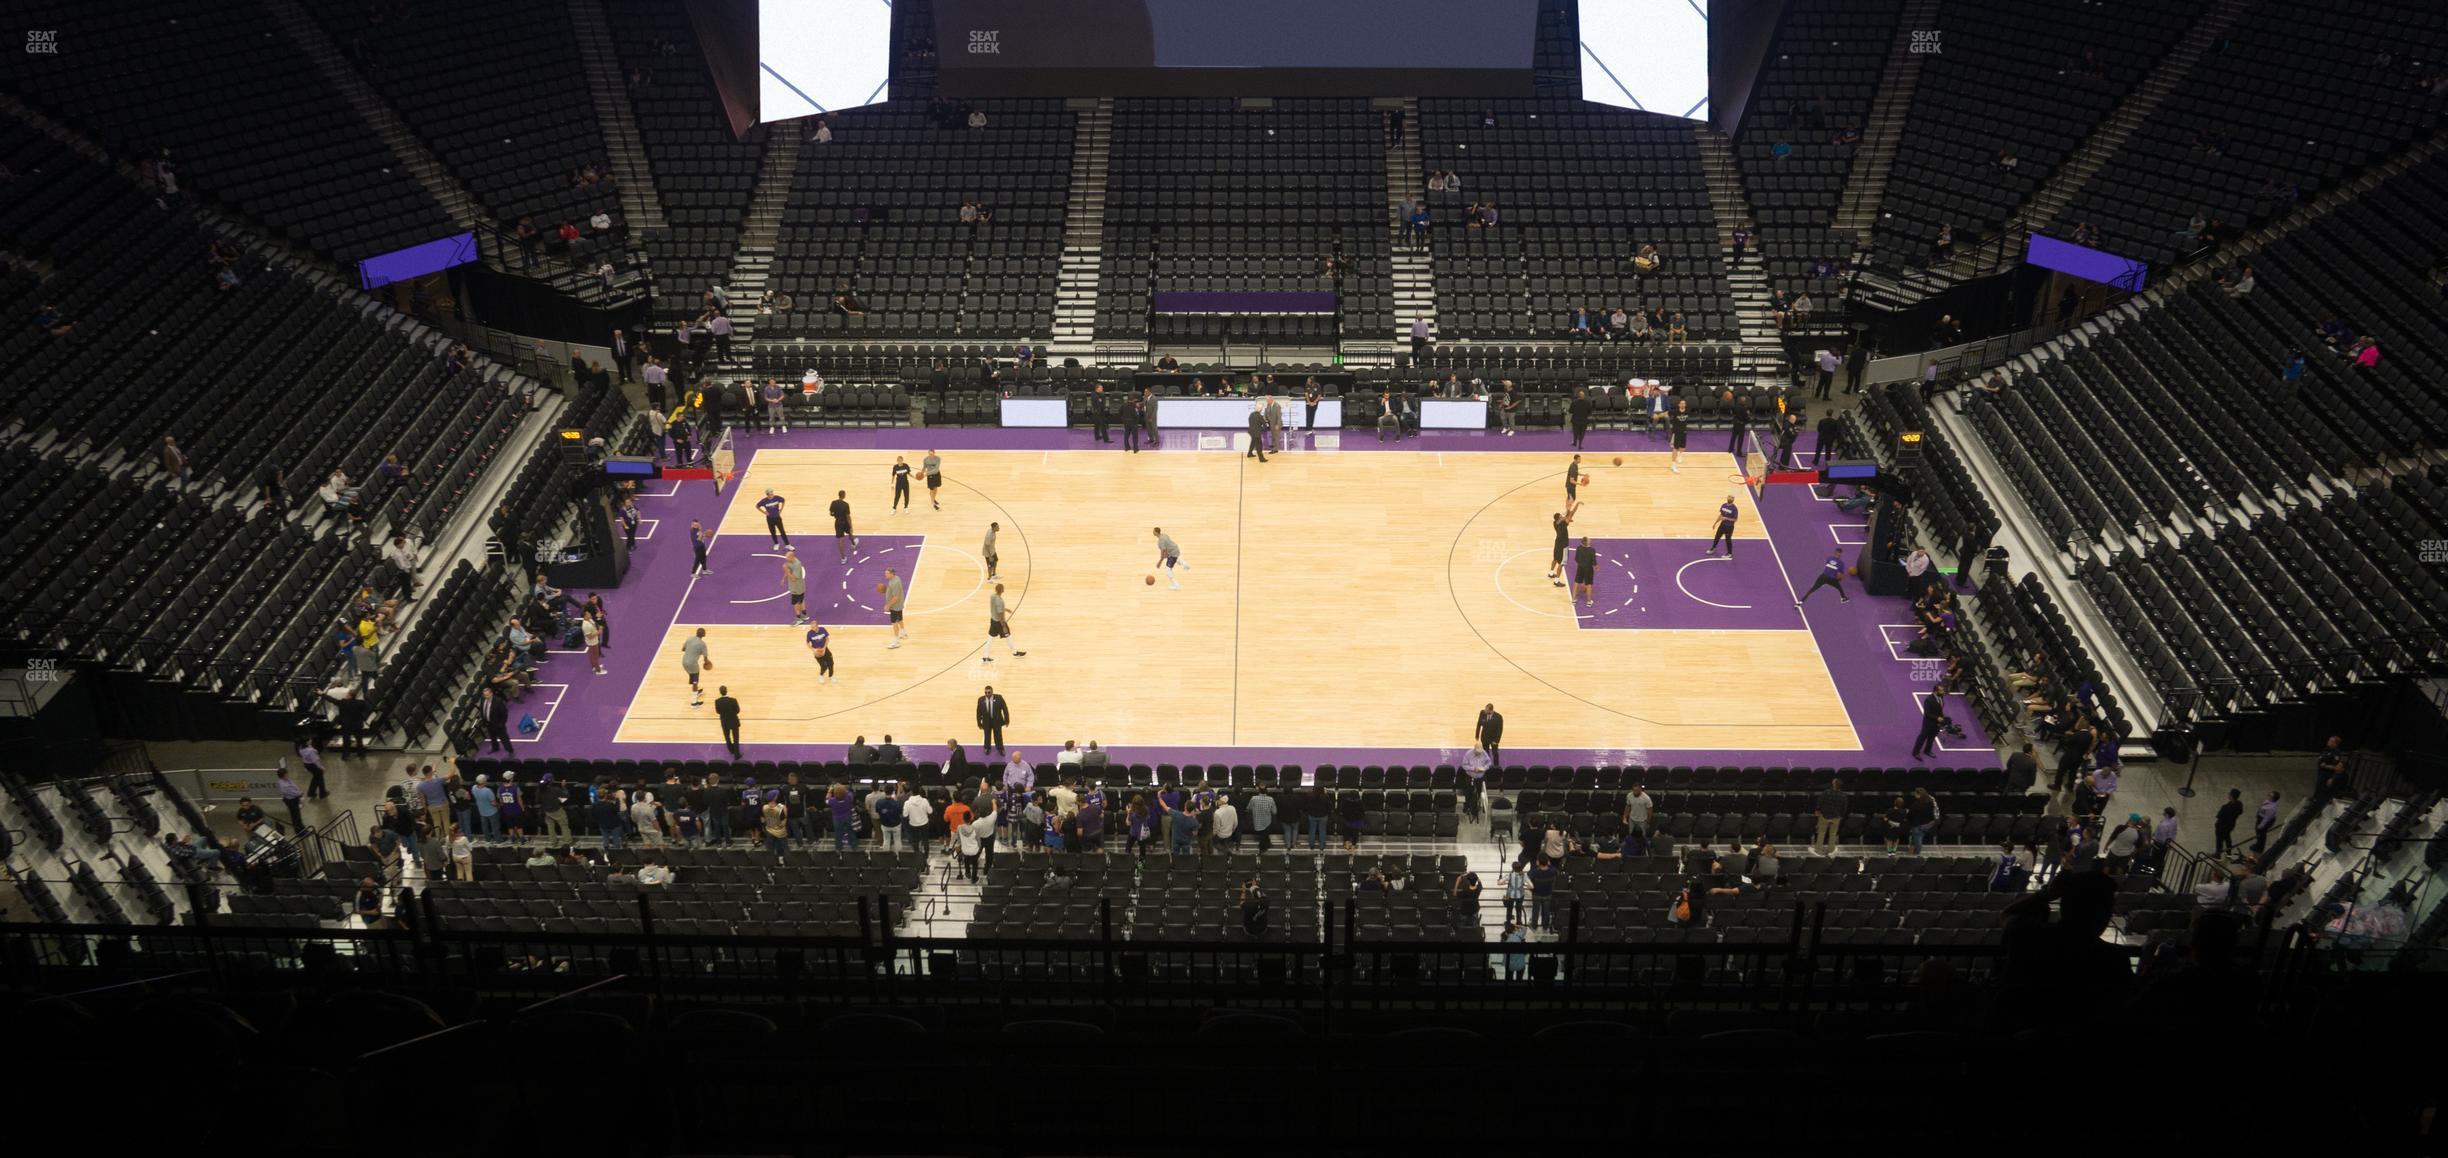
column 1341, row 600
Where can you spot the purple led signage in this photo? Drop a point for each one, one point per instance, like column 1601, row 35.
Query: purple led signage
column 2087, row 263
column 417, row 260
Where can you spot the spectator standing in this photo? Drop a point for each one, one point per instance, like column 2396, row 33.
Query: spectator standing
column 311, row 760
column 1262, row 817
column 1638, row 805
column 916, row 814
column 2265, row 818
column 290, row 794
column 1542, row 894
column 1224, row 823
column 174, row 462
column 1828, row 814
column 488, row 807
column 2222, row 829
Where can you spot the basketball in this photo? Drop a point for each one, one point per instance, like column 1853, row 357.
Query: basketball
column 879, row 589
column 1151, row 581
column 1728, row 396
column 1619, row 460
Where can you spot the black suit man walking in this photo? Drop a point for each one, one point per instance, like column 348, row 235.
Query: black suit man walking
column 1490, row 732
column 727, row 710
column 992, row 714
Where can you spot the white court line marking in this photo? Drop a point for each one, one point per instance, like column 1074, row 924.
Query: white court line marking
column 776, row 595
column 646, row 527
column 544, row 721
column 1500, row 589
column 675, row 489
column 1711, row 602
column 1841, row 541
column 1805, row 613
column 1942, row 745
column 980, row 585
column 1891, row 643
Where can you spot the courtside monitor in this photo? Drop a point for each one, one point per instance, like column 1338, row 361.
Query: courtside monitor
column 1849, row 472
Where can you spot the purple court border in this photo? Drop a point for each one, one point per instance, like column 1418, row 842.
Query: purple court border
column 1879, row 691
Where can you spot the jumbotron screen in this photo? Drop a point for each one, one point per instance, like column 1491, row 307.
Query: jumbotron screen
column 821, row 56
column 1235, row 47
column 1646, row 54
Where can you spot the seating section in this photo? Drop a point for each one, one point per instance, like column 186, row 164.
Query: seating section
column 1160, row 899
column 115, row 819
column 2282, row 108
column 702, row 172
column 876, row 213
column 713, row 892
column 497, row 91
column 1577, row 189
column 278, row 371
column 246, row 119
column 1204, row 195
column 1819, row 81
column 230, row 361
column 2153, row 418
column 2034, row 78
column 2023, row 620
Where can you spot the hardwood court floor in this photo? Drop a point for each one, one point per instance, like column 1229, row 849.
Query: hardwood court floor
column 1332, row 599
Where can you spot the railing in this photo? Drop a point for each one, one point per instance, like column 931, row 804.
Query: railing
column 1766, row 971
column 329, row 843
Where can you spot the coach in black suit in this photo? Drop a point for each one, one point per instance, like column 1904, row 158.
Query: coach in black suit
column 496, row 711
column 1490, row 731
column 622, row 353
column 993, row 712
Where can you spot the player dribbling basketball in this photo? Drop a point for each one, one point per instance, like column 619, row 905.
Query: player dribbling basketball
column 1168, row 556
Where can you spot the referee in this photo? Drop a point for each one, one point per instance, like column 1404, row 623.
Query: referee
column 1726, row 514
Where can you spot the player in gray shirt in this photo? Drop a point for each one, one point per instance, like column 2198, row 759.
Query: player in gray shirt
column 894, row 594
column 1168, row 556
column 794, row 575
column 692, row 660
column 998, row 625
column 991, row 530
